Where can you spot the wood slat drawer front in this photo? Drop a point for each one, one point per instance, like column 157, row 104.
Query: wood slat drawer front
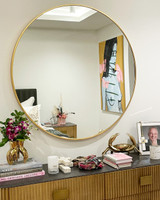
column 154, row 195
column 81, row 188
column 129, row 182
column 4, row 194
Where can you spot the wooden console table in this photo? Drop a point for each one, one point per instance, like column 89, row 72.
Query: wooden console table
column 141, row 181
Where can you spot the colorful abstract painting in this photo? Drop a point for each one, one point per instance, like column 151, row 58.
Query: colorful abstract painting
column 112, row 75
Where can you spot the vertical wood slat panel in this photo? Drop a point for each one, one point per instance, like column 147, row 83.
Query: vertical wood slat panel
column 127, row 182
column 4, row 194
column 81, row 188
column 154, row 195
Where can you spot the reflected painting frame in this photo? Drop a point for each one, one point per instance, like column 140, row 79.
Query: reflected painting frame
column 112, row 75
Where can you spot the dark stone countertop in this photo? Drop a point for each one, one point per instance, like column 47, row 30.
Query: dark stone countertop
column 138, row 162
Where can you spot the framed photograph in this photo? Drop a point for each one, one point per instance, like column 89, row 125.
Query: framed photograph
column 148, row 135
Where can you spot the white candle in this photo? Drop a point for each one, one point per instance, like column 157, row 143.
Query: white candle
column 155, row 152
column 53, row 164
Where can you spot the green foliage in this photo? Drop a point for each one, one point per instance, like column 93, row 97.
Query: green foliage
column 15, row 128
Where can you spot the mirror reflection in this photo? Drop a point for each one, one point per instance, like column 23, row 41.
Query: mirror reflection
column 60, row 74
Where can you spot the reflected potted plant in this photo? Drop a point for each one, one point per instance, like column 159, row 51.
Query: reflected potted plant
column 15, row 130
column 60, row 115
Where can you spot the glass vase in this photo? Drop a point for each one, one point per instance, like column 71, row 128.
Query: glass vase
column 61, row 121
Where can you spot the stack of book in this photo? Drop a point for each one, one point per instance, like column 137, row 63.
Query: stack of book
column 21, row 170
column 118, row 160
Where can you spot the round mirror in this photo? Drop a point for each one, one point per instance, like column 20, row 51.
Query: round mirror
column 73, row 72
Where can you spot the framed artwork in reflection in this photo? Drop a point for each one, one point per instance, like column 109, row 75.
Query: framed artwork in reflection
column 112, row 75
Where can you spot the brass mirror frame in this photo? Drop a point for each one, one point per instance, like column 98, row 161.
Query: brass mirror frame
column 13, row 86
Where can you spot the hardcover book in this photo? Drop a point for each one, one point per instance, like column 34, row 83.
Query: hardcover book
column 21, row 176
column 118, row 162
column 20, row 165
column 23, row 171
column 117, row 166
column 118, row 158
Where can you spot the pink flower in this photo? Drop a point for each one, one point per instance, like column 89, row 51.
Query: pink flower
column 9, row 129
column 64, row 116
column 11, row 136
column 59, row 116
column 17, row 129
column 10, row 121
column 24, row 125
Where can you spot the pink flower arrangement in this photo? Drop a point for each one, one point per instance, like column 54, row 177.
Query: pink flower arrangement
column 63, row 116
column 60, row 113
column 15, row 129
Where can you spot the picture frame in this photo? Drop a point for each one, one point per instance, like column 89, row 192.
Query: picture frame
column 146, row 132
column 111, row 68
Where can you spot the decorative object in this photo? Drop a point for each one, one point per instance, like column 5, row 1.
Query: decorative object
column 155, row 152
column 15, row 130
column 60, row 115
column 148, row 135
column 120, row 147
column 66, row 161
column 16, row 147
column 53, row 164
column 111, row 75
column 65, row 169
column 88, row 163
column 77, row 160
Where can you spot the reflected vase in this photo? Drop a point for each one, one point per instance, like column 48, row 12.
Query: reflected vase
column 61, row 121
column 16, row 147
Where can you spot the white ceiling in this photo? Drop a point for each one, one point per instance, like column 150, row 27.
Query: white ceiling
column 94, row 22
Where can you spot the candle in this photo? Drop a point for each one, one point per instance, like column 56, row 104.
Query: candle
column 53, row 164
column 155, row 152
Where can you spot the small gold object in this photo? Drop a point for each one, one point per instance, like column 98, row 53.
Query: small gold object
column 16, row 147
column 12, row 154
column 120, row 147
column 61, row 194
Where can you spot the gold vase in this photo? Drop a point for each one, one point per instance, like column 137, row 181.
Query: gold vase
column 16, row 147
column 22, row 150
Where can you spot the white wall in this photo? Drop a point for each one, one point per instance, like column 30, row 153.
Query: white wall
column 63, row 66
column 139, row 20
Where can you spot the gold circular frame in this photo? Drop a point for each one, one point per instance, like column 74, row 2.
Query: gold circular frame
column 13, row 86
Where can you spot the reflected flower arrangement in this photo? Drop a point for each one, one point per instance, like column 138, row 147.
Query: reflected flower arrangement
column 60, row 115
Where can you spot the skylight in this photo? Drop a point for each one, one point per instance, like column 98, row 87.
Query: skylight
column 68, row 13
